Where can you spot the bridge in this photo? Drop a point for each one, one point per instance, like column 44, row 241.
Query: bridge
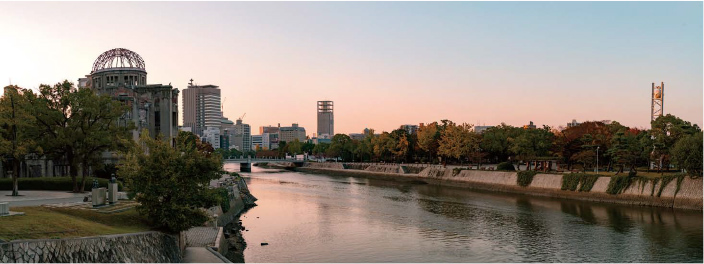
column 246, row 162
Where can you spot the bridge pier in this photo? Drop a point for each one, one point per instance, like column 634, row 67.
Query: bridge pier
column 245, row 167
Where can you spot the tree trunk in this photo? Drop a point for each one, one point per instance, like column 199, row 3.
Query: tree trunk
column 15, row 175
column 83, row 180
column 73, row 171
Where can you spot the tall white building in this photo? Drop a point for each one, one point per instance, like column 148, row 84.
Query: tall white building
column 201, row 107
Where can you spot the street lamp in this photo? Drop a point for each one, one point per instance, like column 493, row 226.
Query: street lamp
column 597, row 160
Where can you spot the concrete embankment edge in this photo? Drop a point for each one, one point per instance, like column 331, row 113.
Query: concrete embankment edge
column 548, row 185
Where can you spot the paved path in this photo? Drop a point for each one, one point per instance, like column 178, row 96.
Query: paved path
column 199, row 255
column 36, row 198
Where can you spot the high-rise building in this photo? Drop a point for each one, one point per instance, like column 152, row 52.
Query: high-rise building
column 326, row 121
column 242, row 137
column 201, row 107
column 288, row 134
column 257, row 142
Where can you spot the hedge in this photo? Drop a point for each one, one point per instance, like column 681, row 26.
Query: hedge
column 505, row 166
column 52, row 183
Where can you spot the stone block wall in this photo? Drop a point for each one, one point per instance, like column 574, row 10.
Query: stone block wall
column 135, row 247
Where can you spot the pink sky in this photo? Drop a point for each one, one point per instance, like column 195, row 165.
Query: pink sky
column 383, row 64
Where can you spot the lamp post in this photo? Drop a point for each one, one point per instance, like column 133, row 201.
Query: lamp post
column 597, row 160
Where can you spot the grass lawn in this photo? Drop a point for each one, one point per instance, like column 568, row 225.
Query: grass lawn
column 43, row 222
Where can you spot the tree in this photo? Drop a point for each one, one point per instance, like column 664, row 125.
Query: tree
column 497, row 141
column 171, row 184
column 78, row 124
column 17, row 130
column 320, row 149
column 687, row 154
column 429, row 138
column 625, row 150
column 295, row 147
column 667, row 130
column 459, row 142
column 339, row 147
column 533, row 143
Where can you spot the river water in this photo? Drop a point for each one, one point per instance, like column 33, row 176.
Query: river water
column 329, row 218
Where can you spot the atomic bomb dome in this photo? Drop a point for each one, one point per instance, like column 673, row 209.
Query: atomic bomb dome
column 120, row 73
column 118, row 67
column 118, row 58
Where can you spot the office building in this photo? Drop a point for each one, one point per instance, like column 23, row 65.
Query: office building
column 481, row 129
column 257, row 142
column 242, row 136
column 288, row 134
column 201, row 107
column 326, row 120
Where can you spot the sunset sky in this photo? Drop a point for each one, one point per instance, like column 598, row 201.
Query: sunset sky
column 384, row 64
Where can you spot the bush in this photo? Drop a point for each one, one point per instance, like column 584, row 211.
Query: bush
column 456, row 171
column 224, row 199
column 52, row 183
column 505, row 166
column 618, row 184
column 525, row 177
column 572, row 180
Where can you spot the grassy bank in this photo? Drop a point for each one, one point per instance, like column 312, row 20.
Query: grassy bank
column 42, row 222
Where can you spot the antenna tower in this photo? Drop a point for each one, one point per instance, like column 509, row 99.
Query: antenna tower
column 657, row 101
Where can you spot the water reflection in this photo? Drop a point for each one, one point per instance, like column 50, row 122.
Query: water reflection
column 329, row 218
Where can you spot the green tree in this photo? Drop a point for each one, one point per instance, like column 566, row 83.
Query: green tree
column 295, row 147
column 79, row 125
column 497, row 141
column 340, row 147
column 171, row 184
column 667, row 130
column 533, row 143
column 687, row 154
column 17, row 130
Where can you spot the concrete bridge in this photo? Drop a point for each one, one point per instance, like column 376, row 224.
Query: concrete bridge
column 246, row 162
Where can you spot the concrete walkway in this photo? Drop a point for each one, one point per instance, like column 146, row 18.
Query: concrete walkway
column 36, row 198
column 199, row 255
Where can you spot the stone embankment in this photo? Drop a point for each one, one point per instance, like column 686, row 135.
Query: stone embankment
column 135, row 247
column 686, row 194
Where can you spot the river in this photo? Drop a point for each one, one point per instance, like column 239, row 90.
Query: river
column 328, row 218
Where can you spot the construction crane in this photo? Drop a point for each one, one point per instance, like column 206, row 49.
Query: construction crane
column 242, row 117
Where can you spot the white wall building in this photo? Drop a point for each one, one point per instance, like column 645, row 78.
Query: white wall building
column 212, row 136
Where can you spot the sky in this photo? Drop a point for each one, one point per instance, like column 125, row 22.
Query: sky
column 384, row 64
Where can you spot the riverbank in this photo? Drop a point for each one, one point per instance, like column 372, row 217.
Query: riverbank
column 684, row 194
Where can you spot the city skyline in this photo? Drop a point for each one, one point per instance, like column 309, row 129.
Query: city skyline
column 385, row 64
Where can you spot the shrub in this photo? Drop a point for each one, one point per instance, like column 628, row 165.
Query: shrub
column 588, row 182
column 456, row 171
column 525, row 177
column 618, row 184
column 52, row 183
column 573, row 180
column 570, row 181
column 223, row 199
column 505, row 166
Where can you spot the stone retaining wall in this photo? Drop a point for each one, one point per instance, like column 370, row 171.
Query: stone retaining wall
column 639, row 193
column 135, row 247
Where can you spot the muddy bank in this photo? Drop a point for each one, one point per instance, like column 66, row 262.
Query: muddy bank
column 684, row 195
